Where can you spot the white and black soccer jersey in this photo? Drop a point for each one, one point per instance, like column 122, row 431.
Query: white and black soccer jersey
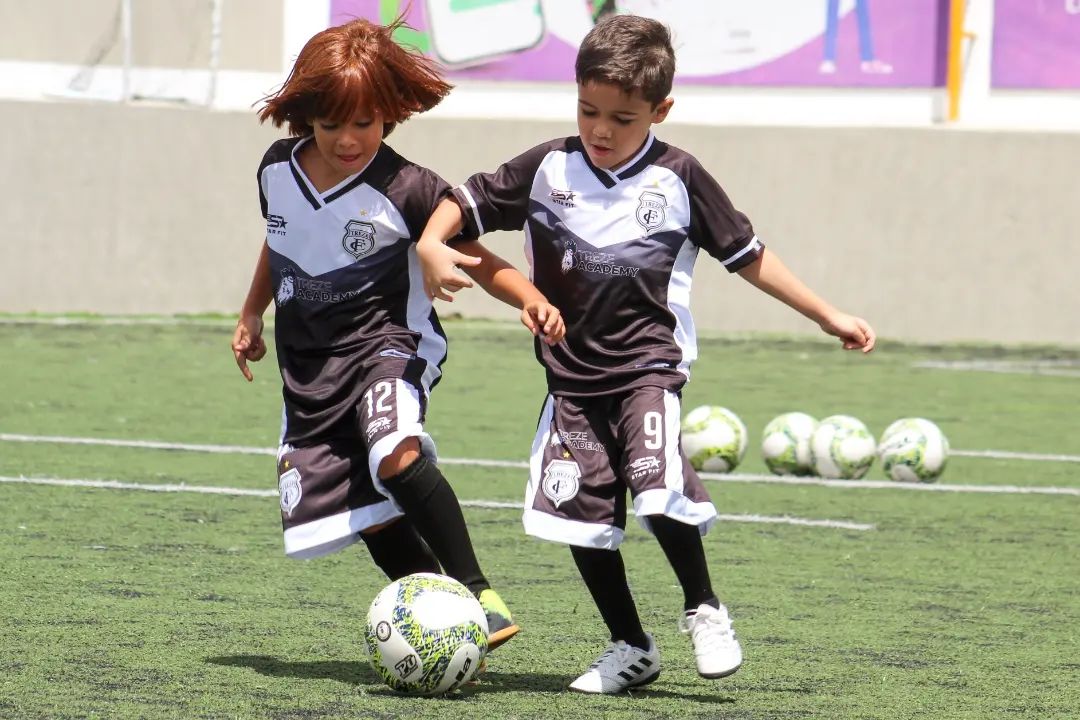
column 615, row 252
column 349, row 294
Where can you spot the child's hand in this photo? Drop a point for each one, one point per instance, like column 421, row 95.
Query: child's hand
column 439, row 263
column 545, row 320
column 247, row 343
column 854, row 332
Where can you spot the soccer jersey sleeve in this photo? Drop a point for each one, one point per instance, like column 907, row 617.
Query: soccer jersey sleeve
column 276, row 153
column 715, row 224
column 500, row 200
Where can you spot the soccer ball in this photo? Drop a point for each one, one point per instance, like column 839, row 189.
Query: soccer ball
column 426, row 634
column 842, row 447
column 785, row 444
column 913, row 450
column 713, row 438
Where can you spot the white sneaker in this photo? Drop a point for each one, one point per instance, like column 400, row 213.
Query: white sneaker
column 715, row 648
column 620, row 668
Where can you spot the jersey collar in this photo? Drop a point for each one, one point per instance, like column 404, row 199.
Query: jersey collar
column 642, row 159
column 350, row 183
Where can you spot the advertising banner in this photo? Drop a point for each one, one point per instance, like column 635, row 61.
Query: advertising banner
column 841, row 43
column 1036, row 44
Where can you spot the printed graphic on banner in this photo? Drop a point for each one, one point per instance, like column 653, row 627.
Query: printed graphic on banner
column 876, row 43
column 1036, row 44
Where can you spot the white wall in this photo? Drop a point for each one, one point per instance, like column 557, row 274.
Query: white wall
column 932, row 234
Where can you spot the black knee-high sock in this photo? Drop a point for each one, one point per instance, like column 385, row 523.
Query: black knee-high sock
column 682, row 546
column 605, row 576
column 399, row 550
column 431, row 505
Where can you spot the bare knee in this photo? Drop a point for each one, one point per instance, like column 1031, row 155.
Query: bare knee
column 404, row 455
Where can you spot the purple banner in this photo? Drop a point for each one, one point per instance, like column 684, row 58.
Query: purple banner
column 798, row 43
column 1036, row 44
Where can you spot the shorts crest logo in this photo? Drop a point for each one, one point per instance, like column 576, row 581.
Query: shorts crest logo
column 562, row 480
column 289, row 490
column 359, row 238
column 651, row 210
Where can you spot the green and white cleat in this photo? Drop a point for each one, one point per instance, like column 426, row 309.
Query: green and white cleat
column 501, row 626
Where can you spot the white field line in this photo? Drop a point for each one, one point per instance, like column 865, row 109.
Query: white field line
column 251, row 450
column 486, row 504
column 521, row 464
column 890, row 485
column 1007, row 455
column 1055, row 368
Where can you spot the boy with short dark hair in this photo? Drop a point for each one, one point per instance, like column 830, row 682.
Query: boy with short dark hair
column 614, row 219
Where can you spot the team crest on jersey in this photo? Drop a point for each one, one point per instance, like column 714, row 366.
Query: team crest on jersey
column 289, row 490
column 562, row 480
column 568, row 256
column 359, row 238
column 287, row 287
column 650, row 212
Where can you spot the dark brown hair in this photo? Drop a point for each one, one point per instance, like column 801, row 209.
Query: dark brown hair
column 630, row 51
column 354, row 68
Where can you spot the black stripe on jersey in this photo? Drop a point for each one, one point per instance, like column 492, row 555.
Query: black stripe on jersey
column 303, row 185
column 654, row 151
column 605, row 178
column 370, row 175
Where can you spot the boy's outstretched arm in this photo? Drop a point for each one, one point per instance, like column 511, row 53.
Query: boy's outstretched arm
column 439, row 262
column 502, row 280
column 247, row 342
column 772, row 276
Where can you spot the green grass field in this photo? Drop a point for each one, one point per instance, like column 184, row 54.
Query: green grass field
column 121, row 603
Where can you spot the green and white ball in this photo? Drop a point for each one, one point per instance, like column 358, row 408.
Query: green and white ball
column 913, row 450
column 426, row 634
column 713, row 438
column 785, row 444
column 842, row 447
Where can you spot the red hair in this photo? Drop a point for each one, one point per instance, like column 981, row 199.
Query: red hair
column 351, row 69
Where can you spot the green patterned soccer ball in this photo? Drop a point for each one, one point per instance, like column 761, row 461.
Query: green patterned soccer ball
column 842, row 447
column 713, row 438
column 913, row 450
column 426, row 634
column 785, row 444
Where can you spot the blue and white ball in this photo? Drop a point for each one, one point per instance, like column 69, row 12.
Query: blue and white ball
column 913, row 450
column 842, row 447
column 785, row 444
column 713, row 439
column 426, row 634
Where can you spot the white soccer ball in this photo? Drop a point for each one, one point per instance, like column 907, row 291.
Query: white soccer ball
column 913, row 450
column 842, row 447
column 713, row 438
column 426, row 634
column 785, row 444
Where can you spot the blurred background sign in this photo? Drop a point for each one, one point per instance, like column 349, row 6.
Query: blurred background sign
column 1036, row 44
column 795, row 43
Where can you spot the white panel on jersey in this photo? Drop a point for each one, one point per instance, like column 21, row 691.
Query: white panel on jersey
column 432, row 345
column 317, row 240
column 608, row 216
column 678, row 302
